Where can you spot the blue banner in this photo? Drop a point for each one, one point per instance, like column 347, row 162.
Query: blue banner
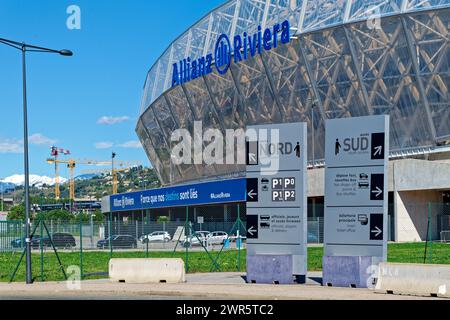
column 186, row 195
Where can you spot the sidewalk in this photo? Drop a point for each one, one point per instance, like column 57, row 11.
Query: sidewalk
column 198, row 286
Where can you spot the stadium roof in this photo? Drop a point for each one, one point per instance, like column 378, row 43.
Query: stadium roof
column 346, row 58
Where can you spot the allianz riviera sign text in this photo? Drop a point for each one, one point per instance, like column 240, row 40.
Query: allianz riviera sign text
column 245, row 46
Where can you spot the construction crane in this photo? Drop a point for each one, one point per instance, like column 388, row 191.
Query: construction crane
column 55, row 152
column 115, row 176
column 71, row 164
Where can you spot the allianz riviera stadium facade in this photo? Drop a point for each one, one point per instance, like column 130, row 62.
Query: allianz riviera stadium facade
column 345, row 58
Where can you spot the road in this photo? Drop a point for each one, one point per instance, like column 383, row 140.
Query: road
column 198, row 286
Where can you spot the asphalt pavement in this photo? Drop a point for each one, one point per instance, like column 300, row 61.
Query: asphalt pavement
column 230, row 286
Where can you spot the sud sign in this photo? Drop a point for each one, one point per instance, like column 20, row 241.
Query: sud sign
column 244, row 46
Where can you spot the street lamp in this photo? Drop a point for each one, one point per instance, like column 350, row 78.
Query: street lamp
column 28, row 48
column 113, row 155
column 313, row 138
column 3, row 190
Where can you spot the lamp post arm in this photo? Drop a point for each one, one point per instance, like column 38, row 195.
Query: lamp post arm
column 29, row 47
column 10, row 43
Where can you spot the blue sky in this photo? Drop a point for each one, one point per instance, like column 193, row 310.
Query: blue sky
column 70, row 97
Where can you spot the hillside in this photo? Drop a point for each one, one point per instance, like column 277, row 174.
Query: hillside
column 94, row 186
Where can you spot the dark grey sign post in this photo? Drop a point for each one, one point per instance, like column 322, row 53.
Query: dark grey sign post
column 355, row 230
column 276, row 203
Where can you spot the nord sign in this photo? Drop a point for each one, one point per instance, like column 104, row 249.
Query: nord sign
column 276, row 205
column 243, row 47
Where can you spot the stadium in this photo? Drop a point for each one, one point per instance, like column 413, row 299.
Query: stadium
column 340, row 59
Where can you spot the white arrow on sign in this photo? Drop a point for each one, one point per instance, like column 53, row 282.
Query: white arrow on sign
column 251, row 230
column 252, row 157
column 377, row 231
column 251, row 193
column 378, row 192
column 378, row 150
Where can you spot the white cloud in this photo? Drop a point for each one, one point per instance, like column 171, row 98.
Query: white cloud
column 112, row 120
column 11, row 146
column 16, row 146
column 131, row 144
column 103, row 145
column 39, row 139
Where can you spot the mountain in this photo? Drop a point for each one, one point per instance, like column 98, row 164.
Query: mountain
column 6, row 187
column 35, row 180
column 87, row 176
column 87, row 186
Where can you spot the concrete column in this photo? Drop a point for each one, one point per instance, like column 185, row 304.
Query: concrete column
column 411, row 218
column 404, row 228
column 225, row 212
column 313, row 208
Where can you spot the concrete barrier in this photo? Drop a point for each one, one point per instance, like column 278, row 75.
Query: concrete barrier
column 414, row 279
column 147, row 270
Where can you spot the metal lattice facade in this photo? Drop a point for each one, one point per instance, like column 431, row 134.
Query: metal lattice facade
column 338, row 64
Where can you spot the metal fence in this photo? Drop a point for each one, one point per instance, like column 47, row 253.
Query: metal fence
column 9, row 231
column 203, row 240
column 94, row 236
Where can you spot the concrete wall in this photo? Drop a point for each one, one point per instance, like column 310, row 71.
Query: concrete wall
column 411, row 174
column 411, row 215
column 316, row 182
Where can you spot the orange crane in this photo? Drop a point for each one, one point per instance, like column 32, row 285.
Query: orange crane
column 55, row 152
column 115, row 176
column 71, row 163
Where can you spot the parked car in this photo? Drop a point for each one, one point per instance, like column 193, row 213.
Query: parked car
column 197, row 238
column 60, row 240
column 312, row 238
column 157, row 236
column 217, row 237
column 20, row 242
column 234, row 237
column 119, row 241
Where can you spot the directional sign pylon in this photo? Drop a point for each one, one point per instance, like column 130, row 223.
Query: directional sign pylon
column 376, row 186
column 376, row 226
column 252, row 226
column 377, row 142
column 252, row 190
column 252, row 153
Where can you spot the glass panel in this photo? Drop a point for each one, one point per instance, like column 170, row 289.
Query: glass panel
column 367, row 9
column 229, row 106
column 158, row 141
column 431, row 43
column 323, row 13
column 150, row 151
column 391, row 83
column 329, row 55
column 423, row 4
column 254, row 86
column 294, row 92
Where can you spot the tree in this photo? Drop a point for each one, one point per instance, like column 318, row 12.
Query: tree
column 162, row 219
column 58, row 214
column 98, row 216
column 17, row 212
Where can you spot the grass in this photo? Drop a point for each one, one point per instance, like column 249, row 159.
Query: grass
column 97, row 262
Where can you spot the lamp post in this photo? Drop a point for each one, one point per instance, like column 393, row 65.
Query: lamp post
column 3, row 187
column 313, row 138
column 28, row 48
column 113, row 155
